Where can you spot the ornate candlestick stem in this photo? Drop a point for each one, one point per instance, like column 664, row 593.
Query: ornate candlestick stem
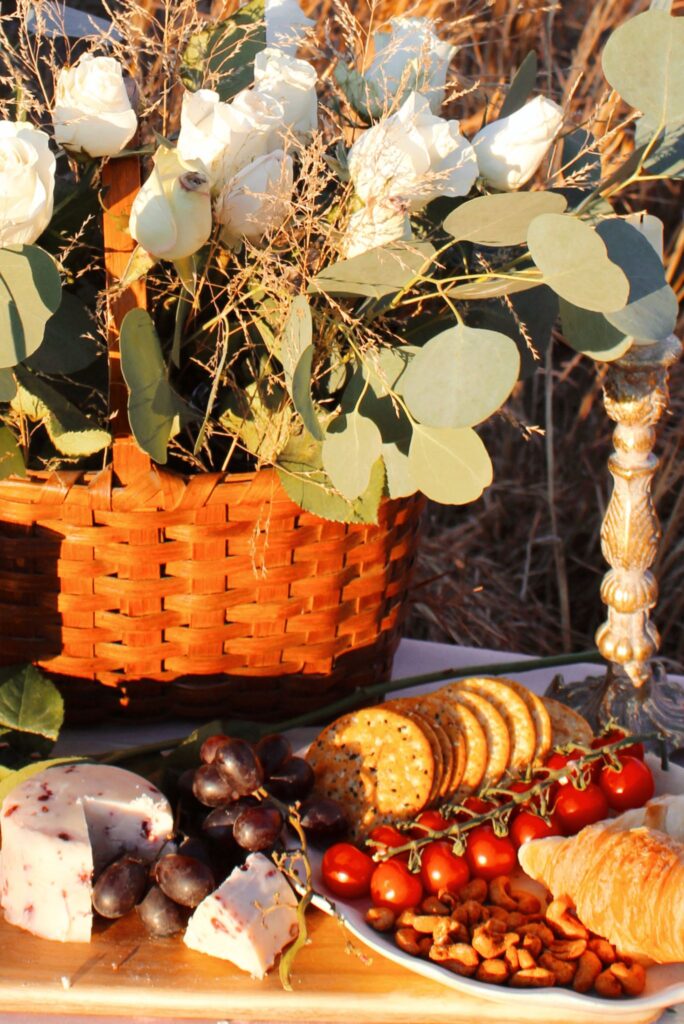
column 635, row 690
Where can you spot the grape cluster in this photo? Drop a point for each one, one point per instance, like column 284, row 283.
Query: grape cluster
column 239, row 800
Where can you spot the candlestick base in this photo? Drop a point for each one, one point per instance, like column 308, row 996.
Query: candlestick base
column 657, row 706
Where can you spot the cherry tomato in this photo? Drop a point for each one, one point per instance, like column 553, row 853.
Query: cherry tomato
column 392, row 885
column 429, row 820
column 576, row 808
column 440, row 868
column 347, row 870
column 526, row 825
column 557, row 761
column 386, row 836
column 612, row 736
column 489, row 855
column 476, row 805
column 632, row 786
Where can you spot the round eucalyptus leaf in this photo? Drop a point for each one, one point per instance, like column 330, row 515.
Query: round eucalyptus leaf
column 501, row 219
column 643, row 61
column 449, row 466
column 400, row 483
column 30, row 292
column 460, row 377
column 351, row 447
column 575, row 263
column 591, row 333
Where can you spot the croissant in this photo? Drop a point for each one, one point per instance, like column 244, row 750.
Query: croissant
column 627, row 885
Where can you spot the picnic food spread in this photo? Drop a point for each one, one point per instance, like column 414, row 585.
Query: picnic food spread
column 425, row 807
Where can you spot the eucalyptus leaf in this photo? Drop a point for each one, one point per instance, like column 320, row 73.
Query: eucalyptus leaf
column 592, row 334
column 652, row 308
column 138, row 266
column 460, row 377
column 521, row 87
column 301, row 393
column 449, row 466
column 384, row 368
column 376, row 273
column 154, row 408
column 70, row 431
column 575, row 263
column 262, row 419
column 527, row 315
column 642, row 61
column 297, row 336
column 667, row 158
column 494, row 286
column 313, row 491
column 11, row 459
column 8, row 385
column 400, row 483
column 351, row 447
column 30, row 292
column 222, row 57
column 501, row 219
column 31, row 703
column 68, row 345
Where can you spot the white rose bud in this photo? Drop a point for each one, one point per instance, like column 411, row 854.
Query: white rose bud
column 286, row 25
column 93, row 112
column 412, row 156
column 374, row 225
column 410, row 57
column 171, row 214
column 509, row 151
column 27, row 183
column 221, row 138
column 257, row 200
column 292, row 83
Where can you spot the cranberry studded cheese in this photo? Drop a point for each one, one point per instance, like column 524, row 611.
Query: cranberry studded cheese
column 60, row 826
column 248, row 920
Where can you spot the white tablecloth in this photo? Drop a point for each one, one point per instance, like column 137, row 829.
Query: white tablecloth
column 414, row 657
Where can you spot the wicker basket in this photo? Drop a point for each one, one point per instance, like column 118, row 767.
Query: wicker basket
column 147, row 591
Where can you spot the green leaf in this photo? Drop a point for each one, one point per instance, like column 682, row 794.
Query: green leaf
column 652, row 308
column 262, row 418
column 591, row 334
column 11, row 459
column 384, row 368
column 575, row 263
column 460, row 377
column 154, row 408
column 8, row 386
column 667, row 158
column 297, row 336
column 222, row 57
column 69, row 430
column 493, row 286
column 31, row 703
column 501, row 219
column 68, row 345
column 449, row 466
column 642, row 60
column 375, row 274
column 30, row 292
column 522, row 86
column 531, row 314
column 301, row 393
column 400, row 483
column 312, row 490
column 10, row 781
column 351, row 447
column 139, row 264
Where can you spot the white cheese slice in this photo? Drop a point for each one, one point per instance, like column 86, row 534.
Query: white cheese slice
column 59, row 827
column 248, row 920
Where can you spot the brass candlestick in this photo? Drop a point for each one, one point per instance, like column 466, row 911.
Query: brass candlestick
column 635, row 690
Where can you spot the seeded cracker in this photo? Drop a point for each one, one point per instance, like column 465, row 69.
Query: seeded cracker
column 377, row 762
column 476, row 751
column 496, row 731
column 515, row 713
column 449, row 732
column 407, row 707
column 567, row 724
column 540, row 717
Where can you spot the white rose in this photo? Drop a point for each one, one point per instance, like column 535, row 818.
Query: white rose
column 171, row 214
column 410, row 57
column 257, row 200
column 374, row 225
column 510, row 150
column 93, row 112
column 27, row 183
column 412, row 156
column 286, row 25
column 292, row 83
column 221, row 138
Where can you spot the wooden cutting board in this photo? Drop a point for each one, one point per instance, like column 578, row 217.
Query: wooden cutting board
column 122, row 972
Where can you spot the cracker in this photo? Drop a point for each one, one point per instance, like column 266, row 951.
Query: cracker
column 377, row 762
column 476, row 751
column 515, row 713
column 451, row 745
column 540, row 717
column 406, row 706
column 496, row 731
column 567, row 725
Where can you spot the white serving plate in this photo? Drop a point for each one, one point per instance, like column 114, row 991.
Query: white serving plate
column 664, row 983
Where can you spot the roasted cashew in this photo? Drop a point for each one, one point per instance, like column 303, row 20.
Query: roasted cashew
column 632, row 979
column 382, row 919
column 512, row 959
column 603, row 950
column 407, row 939
column 501, row 893
column 433, row 905
column 563, row 969
column 588, row 969
column 426, row 923
column 475, row 889
column 495, row 972
column 560, row 915
column 568, row 949
column 460, row 957
column 533, row 944
column 448, row 930
column 535, row 977
column 491, row 940
column 526, row 960
column 541, row 930
column 470, row 912
column 608, row 985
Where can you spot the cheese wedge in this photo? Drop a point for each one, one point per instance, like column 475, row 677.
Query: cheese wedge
column 59, row 828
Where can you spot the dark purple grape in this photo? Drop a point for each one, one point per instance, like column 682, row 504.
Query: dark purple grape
column 292, row 781
column 120, row 886
column 323, row 818
column 218, row 827
column 185, row 880
column 273, row 751
column 193, row 846
column 210, row 746
column 160, row 915
column 239, row 766
column 210, row 787
column 258, row 828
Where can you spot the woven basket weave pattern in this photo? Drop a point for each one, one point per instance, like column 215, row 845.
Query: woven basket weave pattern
column 169, row 580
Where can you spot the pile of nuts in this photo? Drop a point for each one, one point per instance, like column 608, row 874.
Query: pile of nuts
column 501, row 935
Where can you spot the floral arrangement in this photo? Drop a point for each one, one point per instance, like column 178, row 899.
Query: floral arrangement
column 340, row 283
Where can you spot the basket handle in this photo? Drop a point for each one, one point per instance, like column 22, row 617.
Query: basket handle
column 121, row 179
